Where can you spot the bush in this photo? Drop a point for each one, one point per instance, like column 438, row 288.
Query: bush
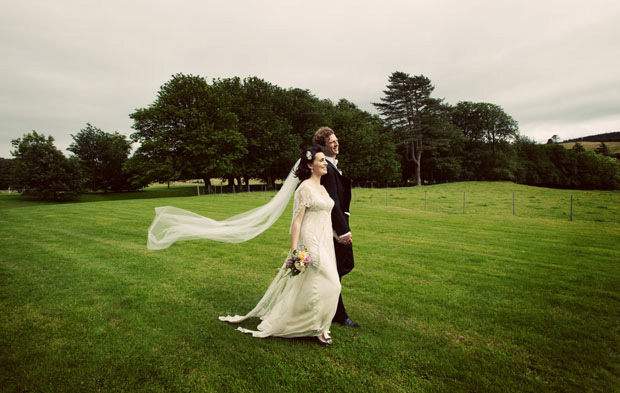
column 555, row 166
column 43, row 171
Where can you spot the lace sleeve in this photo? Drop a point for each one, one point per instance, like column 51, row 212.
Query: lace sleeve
column 303, row 198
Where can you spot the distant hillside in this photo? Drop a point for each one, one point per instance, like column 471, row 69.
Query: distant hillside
column 607, row 137
column 614, row 147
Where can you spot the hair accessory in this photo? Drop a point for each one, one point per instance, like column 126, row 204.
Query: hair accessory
column 309, row 155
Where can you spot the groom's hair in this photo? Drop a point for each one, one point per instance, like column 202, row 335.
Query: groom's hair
column 321, row 135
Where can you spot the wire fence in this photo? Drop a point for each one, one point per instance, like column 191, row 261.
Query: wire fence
column 502, row 198
column 603, row 206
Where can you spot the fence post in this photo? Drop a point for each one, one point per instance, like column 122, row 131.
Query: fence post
column 198, row 189
column 463, row 203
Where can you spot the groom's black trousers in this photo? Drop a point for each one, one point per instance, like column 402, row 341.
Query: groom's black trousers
column 344, row 263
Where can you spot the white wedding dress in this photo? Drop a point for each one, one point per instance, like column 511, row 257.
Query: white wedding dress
column 302, row 305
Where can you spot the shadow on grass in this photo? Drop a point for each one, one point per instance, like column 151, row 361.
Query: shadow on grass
column 15, row 200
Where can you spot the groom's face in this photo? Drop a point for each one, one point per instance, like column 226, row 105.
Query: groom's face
column 331, row 146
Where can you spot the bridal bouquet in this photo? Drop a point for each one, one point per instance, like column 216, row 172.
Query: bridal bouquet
column 297, row 261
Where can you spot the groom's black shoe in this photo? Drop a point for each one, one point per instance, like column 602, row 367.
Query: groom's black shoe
column 350, row 323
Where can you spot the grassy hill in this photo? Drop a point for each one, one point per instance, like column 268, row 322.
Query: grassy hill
column 606, row 137
column 614, row 147
column 448, row 301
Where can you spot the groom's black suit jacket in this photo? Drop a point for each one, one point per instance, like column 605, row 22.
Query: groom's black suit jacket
column 339, row 189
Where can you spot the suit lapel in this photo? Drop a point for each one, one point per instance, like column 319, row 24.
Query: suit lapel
column 334, row 168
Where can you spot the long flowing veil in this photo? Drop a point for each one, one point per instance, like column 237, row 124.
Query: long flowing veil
column 172, row 224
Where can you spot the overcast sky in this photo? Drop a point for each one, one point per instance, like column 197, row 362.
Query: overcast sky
column 554, row 66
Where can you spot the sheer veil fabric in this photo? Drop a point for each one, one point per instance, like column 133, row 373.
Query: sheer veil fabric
column 172, row 224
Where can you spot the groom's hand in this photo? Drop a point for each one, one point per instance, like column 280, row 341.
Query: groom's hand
column 348, row 239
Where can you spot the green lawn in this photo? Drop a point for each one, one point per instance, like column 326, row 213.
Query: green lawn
column 449, row 302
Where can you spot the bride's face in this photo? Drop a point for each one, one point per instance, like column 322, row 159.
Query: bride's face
column 319, row 165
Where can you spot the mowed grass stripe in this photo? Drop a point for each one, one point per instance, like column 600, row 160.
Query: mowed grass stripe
column 481, row 301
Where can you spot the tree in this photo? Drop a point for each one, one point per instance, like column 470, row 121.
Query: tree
column 552, row 165
column 42, row 170
column 6, row 173
column 189, row 131
column 548, row 165
column 597, row 171
column 603, row 150
column 578, row 147
column 306, row 113
column 485, row 122
column 142, row 170
column 101, row 156
column 444, row 157
column 489, row 132
column 359, row 134
column 411, row 113
column 262, row 110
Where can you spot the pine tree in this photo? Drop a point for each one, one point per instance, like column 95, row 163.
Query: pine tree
column 412, row 114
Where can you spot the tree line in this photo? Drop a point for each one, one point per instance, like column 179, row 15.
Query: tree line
column 242, row 129
column 606, row 137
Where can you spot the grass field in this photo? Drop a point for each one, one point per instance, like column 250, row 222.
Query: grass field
column 614, row 147
column 481, row 301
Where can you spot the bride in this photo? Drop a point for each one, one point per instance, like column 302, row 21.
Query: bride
column 293, row 306
column 303, row 305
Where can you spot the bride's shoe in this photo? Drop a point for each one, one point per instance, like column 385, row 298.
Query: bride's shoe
column 324, row 340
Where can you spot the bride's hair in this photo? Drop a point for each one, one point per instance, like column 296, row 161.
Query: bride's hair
column 303, row 172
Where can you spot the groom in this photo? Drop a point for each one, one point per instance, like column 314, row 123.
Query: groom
column 339, row 189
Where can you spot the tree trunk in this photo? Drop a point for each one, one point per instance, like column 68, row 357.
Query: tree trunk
column 231, row 181
column 418, row 165
column 418, row 178
column 416, row 155
column 207, row 181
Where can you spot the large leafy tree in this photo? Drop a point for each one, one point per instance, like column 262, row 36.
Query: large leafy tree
column 101, row 156
column 306, row 113
column 262, row 110
column 412, row 114
column 489, row 133
column 6, row 173
column 368, row 152
column 443, row 157
column 42, row 170
column 485, row 122
column 142, row 170
column 188, row 132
